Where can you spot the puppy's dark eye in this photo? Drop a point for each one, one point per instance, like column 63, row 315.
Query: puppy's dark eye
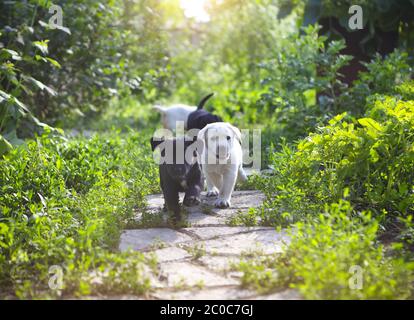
column 228, row 137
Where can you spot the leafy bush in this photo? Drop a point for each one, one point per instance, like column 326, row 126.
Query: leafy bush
column 16, row 80
column 307, row 63
column 326, row 254
column 59, row 73
column 229, row 49
column 383, row 76
column 370, row 159
column 372, row 156
column 387, row 15
column 304, row 87
column 65, row 202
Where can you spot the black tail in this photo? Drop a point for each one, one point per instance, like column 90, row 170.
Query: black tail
column 203, row 101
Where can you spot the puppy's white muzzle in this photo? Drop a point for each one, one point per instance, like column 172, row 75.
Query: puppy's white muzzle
column 222, row 151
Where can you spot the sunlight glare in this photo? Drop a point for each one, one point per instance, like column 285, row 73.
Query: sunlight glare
column 195, row 9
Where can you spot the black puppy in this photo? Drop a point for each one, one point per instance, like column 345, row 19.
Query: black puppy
column 200, row 118
column 177, row 174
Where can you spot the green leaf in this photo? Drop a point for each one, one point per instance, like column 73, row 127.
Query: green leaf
column 50, row 27
column 59, row 163
column 54, row 62
column 42, row 46
column 12, row 138
column 4, row 96
column 372, row 126
column 41, row 124
column 20, row 104
column 13, row 54
column 41, row 86
column 337, row 118
column 64, row 29
column 40, row 58
column 5, row 146
column 374, row 155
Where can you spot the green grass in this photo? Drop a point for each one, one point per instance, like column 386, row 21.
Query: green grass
column 368, row 161
column 196, row 251
column 247, row 218
column 64, row 202
column 325, row 256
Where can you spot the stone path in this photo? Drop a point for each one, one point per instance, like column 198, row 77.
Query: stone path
column 196, row 262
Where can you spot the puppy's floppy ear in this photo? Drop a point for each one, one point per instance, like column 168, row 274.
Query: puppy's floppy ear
column 236, row 132
column 202, row 139
column 155, row 143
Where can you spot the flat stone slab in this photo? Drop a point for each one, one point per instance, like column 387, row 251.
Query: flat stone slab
column 267, row 242
column 170, row 254
column 186, row 274
column 154, row 238
column 198, row 262
column 111, row 297
column 155, row 201
column 201, row 219
column 206, row 214
column 214, row 232
column 224, row 213
column 289, row 294
column 240, row 199
column 221, row 293
column 219, row 263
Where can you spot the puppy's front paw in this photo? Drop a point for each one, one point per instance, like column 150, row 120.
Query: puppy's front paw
column 222, row 203
column 191, row 201
column 212, row 193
